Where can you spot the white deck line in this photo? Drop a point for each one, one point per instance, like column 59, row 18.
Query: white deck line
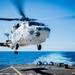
column 17, row 71
column 4, row 69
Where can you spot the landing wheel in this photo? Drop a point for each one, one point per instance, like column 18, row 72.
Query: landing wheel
column 39, row 47
column 15, row 52
column 17, row 46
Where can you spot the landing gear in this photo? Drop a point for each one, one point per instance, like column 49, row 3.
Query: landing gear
column 15, row 52
column 17, row 46
column 39, row 47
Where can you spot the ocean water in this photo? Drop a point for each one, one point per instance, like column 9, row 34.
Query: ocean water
column 9, row 58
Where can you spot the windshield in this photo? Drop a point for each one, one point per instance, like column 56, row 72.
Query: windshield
column 36, row 24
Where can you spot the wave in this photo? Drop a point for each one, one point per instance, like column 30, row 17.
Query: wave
column 55, row 57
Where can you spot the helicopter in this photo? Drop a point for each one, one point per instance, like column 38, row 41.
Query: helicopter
column 28, row 32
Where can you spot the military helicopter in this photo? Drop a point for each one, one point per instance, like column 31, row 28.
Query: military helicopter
column 28, row 32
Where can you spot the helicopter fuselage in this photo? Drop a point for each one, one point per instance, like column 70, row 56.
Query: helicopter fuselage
column 29, row 33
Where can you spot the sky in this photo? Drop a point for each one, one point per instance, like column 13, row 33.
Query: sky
column 62, row 36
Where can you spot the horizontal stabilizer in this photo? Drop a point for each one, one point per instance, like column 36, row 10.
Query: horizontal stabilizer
column 3, row 44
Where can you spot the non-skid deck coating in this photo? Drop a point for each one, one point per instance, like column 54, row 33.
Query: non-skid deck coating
column 36, row 70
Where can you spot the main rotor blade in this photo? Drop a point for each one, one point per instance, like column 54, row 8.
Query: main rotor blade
column 19, row 4
column 18, row 19
column 9, row 19
column 67, row 17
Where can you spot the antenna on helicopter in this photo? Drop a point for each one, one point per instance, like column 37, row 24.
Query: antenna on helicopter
column 6, row 34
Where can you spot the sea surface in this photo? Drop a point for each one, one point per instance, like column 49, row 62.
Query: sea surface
column 9, row 58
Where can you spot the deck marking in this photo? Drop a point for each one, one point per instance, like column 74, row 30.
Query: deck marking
column 1, row 73
column 16, row 70
column 4, row 69
column 7, row 73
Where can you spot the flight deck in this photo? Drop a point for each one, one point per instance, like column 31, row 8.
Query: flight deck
column 32, row 69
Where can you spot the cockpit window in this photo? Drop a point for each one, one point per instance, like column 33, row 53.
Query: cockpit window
column 42, row 24
column 36, row 24
column 31, row 23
